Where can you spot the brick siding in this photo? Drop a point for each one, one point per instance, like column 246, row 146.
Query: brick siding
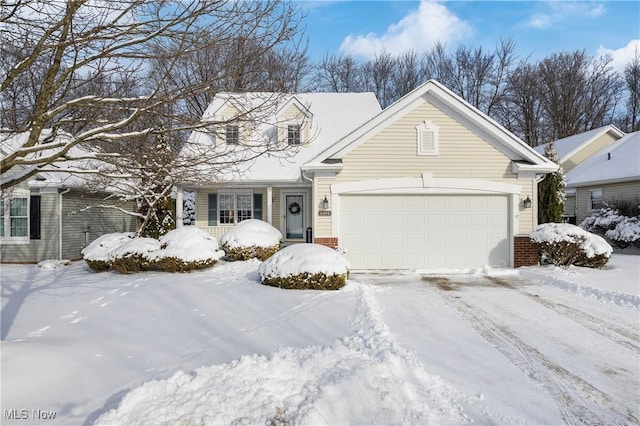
column 525, row 252
column 331, row 242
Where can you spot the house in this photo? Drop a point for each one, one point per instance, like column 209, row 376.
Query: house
column 613, row 173
column 48, row 217
column 429, row 182
column 573, row 150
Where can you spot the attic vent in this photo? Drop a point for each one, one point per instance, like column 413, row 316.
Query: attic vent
column 427, row 138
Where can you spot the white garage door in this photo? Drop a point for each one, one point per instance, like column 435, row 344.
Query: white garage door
column 424, row 231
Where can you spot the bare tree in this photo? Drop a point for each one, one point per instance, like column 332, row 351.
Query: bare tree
column 632, row 81
column 339, row 73
column 377, row 75
column 409, row 73
column 578, row 93
column 62, row 51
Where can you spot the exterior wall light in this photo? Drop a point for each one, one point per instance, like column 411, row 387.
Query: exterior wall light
column 325, row 203
column 526, row 203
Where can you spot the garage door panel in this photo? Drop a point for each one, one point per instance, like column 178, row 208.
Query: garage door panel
column 424, row 231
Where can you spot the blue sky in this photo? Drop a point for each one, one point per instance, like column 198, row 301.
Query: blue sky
column 539, row 28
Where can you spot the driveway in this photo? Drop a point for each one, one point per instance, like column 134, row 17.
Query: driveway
column 493, row 335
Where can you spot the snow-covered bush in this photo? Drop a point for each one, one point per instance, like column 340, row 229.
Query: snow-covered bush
column 305, row 266
column 131, row 256
column 98, row 253
column 602, row 220
column 185, row 249
column 189, row 208
column 251, row 238
column 564, row 244
column 180, row 250
column 626, row 233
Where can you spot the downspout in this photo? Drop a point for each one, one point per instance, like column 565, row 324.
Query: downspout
column 60, row 223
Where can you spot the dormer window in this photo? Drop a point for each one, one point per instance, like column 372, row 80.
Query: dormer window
column 232, row 134
column 427, row 138
column 294, row 132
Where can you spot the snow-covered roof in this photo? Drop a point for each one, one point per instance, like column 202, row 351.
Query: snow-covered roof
column 620, row 162
column 56, row 174
column 567, row 147
column 330, row 115
column 524, row 156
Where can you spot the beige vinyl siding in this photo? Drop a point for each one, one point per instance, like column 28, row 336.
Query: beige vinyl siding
column 586, row 152
column 621, row 191
column 462, row 154
column 322, row 187
column 570, row 205
column 100, row 220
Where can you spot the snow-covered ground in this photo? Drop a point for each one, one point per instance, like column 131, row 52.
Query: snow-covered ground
column 538, row 345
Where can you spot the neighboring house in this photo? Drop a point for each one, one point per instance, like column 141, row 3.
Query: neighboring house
column 573, row 150
column 613, row 173
column 48, row 217
column 429, row 182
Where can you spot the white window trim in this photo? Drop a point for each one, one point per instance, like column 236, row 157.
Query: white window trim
column 6, row 217
column 590, row 205
column 423, row 127
column 235, row 193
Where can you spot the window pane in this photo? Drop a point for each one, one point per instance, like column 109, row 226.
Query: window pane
column 18, row 207
column 597, row 199
column 232, row 134
column 244, row 206
column 18, row 227
column 226, row 208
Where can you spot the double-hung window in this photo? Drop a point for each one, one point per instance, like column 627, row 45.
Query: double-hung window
column 294, row 134
column 14, row 223
column 596, row 199
column 234, row 208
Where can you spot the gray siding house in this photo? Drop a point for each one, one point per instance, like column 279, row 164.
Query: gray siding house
column 53, row 217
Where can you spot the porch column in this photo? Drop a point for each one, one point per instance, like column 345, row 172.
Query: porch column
column 179, row 206
column 270, row 205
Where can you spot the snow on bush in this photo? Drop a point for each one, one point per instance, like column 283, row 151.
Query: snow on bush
column 98, row 253
column 305, row 266
column 185, row 249
column 626, row 233
column 602, row 220
column 182, row 249
column 251, row 238
column 189, row 208
column 564, row 244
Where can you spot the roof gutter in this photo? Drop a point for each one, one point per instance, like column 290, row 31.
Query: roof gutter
column 60, row 223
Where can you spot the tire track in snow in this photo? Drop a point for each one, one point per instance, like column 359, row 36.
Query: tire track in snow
column 627, row 337
column 580, row 402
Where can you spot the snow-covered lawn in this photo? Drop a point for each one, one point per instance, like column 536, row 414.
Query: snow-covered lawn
column 539, row 345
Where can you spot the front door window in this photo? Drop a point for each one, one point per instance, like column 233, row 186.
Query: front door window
column 294, row 216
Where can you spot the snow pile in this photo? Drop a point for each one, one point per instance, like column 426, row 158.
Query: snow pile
column 363, row 378
column 304, row 258
column 52, row 264
column 102, row 247
column 189, row 244
column 251, row 232
column 553, row 233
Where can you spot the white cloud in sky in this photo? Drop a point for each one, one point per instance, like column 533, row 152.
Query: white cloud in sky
column 418, row 31
column 622, row 56
column 560, row 11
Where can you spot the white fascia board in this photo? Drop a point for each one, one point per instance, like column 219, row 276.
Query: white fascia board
column 527, row 169
column 322, row 167
column 604, row 182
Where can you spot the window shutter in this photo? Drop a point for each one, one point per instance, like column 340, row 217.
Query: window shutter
column 257, row 206
column 213, row 209
column 34, row 217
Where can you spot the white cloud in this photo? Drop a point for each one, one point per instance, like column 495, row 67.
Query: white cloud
column 418, row 31
column 560, row 11
column 622, row 56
